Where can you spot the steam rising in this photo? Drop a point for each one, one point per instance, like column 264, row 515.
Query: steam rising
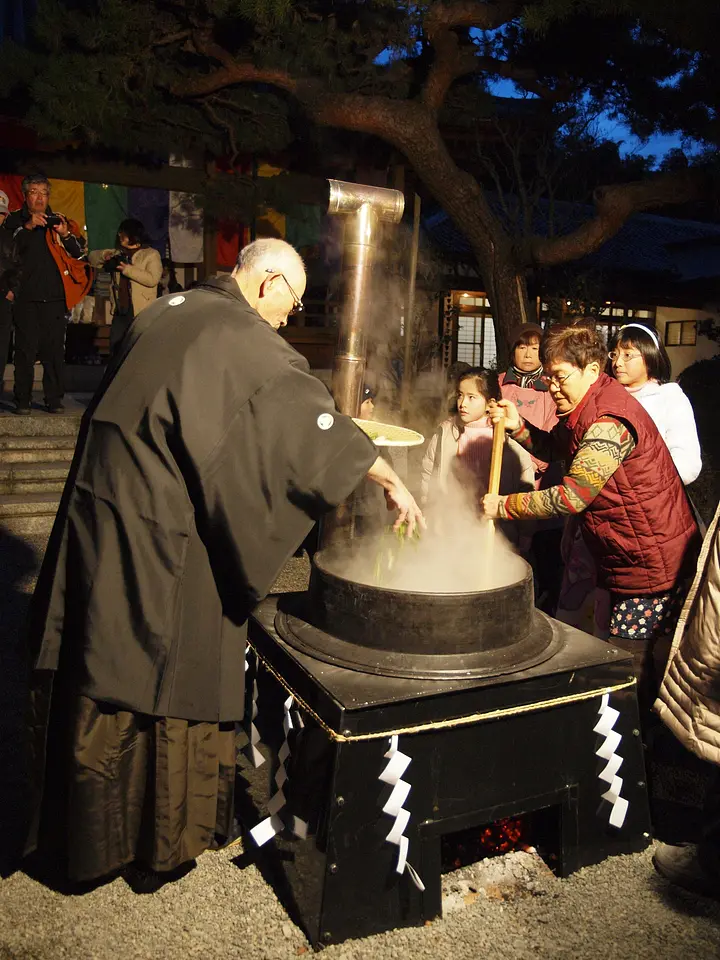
column 458, row 553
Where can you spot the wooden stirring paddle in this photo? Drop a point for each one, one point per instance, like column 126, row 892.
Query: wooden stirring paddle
column 498, row 444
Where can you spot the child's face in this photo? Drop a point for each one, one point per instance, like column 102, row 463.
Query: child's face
column 471, row 404
column 367, row 409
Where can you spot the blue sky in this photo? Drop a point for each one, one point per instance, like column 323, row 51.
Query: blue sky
column 656, row 146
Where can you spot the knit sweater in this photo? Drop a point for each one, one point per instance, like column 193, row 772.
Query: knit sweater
column 467, row 455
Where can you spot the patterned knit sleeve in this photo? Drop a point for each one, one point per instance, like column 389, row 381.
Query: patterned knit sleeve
column 603, row 448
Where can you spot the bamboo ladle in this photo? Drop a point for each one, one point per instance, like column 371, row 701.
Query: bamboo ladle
column 496, row 456
column 498, row 444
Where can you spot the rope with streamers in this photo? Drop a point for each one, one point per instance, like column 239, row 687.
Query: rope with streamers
column 453, row 721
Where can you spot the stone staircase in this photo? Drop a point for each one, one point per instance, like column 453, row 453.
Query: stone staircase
column 35, row 456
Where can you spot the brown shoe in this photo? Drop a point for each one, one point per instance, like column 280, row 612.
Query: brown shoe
column 681, row 866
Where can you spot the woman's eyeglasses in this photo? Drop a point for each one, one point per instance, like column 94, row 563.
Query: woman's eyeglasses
column 298, row 305
column 623, row 355
column 556, row 381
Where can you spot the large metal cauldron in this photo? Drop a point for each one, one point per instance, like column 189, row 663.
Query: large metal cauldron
column 406, row 634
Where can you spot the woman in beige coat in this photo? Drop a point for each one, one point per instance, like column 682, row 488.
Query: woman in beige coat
column 136, row 269
column 689, row 704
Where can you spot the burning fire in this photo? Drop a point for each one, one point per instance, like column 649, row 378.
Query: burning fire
column 493, row 840
column 503, row 836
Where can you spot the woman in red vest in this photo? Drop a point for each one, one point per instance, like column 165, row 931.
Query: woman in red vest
column 621, row 482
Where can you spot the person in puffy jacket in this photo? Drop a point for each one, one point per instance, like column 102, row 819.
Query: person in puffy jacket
column 689, row 704
column 640, row 363
column 622, row 484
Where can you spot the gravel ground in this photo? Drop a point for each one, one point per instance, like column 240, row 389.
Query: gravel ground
column 220, row 910
column 225, row 909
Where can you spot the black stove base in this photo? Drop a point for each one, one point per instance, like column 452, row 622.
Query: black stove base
column 472, row 751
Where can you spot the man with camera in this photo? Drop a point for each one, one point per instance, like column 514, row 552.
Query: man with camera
column 54, row 278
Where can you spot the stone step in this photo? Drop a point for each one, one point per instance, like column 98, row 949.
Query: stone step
column 24, row 514
column 12, row 505
column 34, row 477
column 40, row 524
column 39, row 425
column 36, row 449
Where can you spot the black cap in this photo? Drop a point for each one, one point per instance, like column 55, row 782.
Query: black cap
column 368, row 393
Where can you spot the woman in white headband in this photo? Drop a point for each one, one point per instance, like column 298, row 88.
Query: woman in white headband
column 641, row 364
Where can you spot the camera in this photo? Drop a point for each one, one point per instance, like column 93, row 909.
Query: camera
column 53, row 220
column 111, row 265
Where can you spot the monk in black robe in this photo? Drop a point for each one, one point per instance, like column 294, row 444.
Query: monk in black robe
column 202, row 462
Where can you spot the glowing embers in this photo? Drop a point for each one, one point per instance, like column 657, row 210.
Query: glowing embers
column 536, row 832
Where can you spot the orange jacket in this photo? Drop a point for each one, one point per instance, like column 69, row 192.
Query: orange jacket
column 77, row 275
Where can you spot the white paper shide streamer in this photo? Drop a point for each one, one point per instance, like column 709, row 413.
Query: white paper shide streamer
column 274, row 824
column 252, row 751
column 608, row 751
column 392, row 775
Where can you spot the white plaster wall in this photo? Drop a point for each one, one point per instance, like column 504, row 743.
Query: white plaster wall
column 681, row 357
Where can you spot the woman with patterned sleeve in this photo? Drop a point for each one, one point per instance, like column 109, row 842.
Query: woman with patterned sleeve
column 621, row 483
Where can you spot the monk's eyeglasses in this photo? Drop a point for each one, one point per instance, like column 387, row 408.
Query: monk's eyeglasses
column 298, row 305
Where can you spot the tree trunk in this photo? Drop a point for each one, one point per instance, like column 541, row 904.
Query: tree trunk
column 509, row 302
column 464, row 200
column 505, row 285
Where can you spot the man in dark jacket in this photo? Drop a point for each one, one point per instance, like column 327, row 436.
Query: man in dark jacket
column 40, row 303
column 202, row 463
column 9, row 281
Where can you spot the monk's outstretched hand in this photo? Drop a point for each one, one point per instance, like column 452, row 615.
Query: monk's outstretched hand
column 399, row 498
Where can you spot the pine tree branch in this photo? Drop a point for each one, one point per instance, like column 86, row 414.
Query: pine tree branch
column 218, row 121
column 231, row 71
column 453, row 61
column 171, row 38
column 614, row 205
column 469, row 13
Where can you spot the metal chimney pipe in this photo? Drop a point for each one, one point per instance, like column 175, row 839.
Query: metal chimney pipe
column 364, row 208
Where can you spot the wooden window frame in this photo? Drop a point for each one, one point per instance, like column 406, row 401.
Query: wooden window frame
column 681, row 324
column 462, row 309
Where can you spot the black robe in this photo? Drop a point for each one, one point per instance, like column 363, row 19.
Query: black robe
column 202, row 463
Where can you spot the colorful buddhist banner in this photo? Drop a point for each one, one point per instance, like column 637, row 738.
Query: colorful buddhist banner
column 10, row 184
column 105, row 206
column 68, row 197
column 173, row 220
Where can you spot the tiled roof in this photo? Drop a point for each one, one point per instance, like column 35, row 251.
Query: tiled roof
column 647, row 243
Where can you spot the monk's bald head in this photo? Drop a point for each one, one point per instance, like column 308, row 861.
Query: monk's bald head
column 271, row 277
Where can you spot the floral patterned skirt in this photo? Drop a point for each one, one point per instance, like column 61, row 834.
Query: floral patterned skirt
column 644, row 627
column 644, row 618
